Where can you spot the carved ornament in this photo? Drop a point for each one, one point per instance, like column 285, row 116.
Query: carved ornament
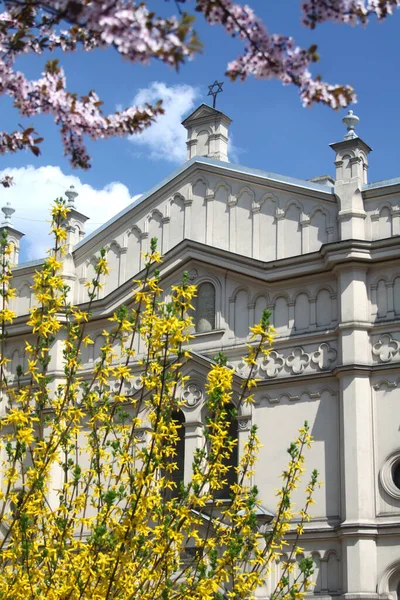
column 192, row 395
column 385, row 348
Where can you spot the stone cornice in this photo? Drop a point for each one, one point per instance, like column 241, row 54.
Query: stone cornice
column 330, row 257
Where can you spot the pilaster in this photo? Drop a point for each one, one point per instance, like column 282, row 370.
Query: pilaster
column 305, row 234
column 193, row 441
column 209, row 219
column 122, row 264
column 165, row 234
column 144, row 247
column 313, row 312
column 188, row 218
column 233, row 229
column 256, row 230
column 280, row 224
column 360, row 566
column 356, row 432
column 291, row 316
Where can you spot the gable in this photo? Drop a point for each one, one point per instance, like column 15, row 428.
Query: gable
column 201, row 112
column 221, row 209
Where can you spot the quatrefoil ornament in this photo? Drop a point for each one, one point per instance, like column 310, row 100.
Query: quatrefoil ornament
column 324, row 356
column 192, row 395
column 243, row 368
column 385, row 348
column 273, row 364
column 298, row 360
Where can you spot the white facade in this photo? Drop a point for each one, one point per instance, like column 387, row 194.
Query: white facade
column 323, row 255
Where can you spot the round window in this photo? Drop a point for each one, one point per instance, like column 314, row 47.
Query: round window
column 390, row 475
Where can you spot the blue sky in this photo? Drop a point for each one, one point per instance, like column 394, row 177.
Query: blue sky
column 270, row 129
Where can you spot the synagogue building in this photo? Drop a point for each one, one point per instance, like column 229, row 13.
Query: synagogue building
column 324, row 256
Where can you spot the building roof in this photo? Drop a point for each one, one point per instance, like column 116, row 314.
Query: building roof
column 230, row 168
column 203, row 109
column 380, row 184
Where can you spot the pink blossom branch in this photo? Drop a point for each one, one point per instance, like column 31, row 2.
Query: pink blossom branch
column 32, row 28
column 272, row 56
column 138, row 35
column 346, row 11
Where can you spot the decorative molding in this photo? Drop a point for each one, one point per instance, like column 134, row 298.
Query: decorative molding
column 294, row 398
column 244, row 423
column 324, row 356
column 298, row 360
column 273, row 364
column 386, row 475
column 192, row 395
column 385, row 348
column 385, row 579
column 386, row 383
column 305, row 220
column 137, row 383
column 292, row 361
column 193, row 274
column 243, row 368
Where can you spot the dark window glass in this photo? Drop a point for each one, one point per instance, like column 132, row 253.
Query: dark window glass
column 232, row 461
column 177, row 475
column 396, row 475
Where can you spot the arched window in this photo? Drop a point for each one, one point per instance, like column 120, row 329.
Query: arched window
column 177, row 475
column 205, row 308
column 233, row 460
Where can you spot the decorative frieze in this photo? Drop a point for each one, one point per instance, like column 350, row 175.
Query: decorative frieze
column 273, row 364
column 324, row 356
column 298, row 360
column 293, row 396
column 292, row 361
column 386, row 349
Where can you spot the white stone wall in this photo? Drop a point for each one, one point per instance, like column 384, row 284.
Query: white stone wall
column 336, row 358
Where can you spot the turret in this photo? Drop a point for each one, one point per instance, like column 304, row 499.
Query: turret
column 207, row 133
column 351, row 174
column 75, row 219
column 14, row 235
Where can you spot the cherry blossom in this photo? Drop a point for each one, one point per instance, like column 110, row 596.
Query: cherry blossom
column 138, row 35
column 346, row 11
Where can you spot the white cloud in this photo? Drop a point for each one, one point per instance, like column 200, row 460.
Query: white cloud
column 35, row 189
column 234, row 152
column 166, row 138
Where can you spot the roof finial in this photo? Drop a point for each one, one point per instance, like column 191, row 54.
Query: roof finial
column 71, row 195
column 8, row 211
column 350, row 120
column 215, row 89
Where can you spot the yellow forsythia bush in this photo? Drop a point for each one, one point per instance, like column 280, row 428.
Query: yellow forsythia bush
column 91, row 510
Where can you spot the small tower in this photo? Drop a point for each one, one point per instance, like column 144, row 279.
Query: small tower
column 207, row 133
column 76, row 220
column 14, row 235
column 351, row 174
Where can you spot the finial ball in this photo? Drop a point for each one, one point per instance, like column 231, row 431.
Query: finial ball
column 7, row 211
column 350, row 121
column 71, row 195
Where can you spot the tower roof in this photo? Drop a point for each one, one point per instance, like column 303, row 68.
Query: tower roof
column 204, row 112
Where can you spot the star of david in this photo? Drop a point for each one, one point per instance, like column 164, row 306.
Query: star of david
column 214, row 89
